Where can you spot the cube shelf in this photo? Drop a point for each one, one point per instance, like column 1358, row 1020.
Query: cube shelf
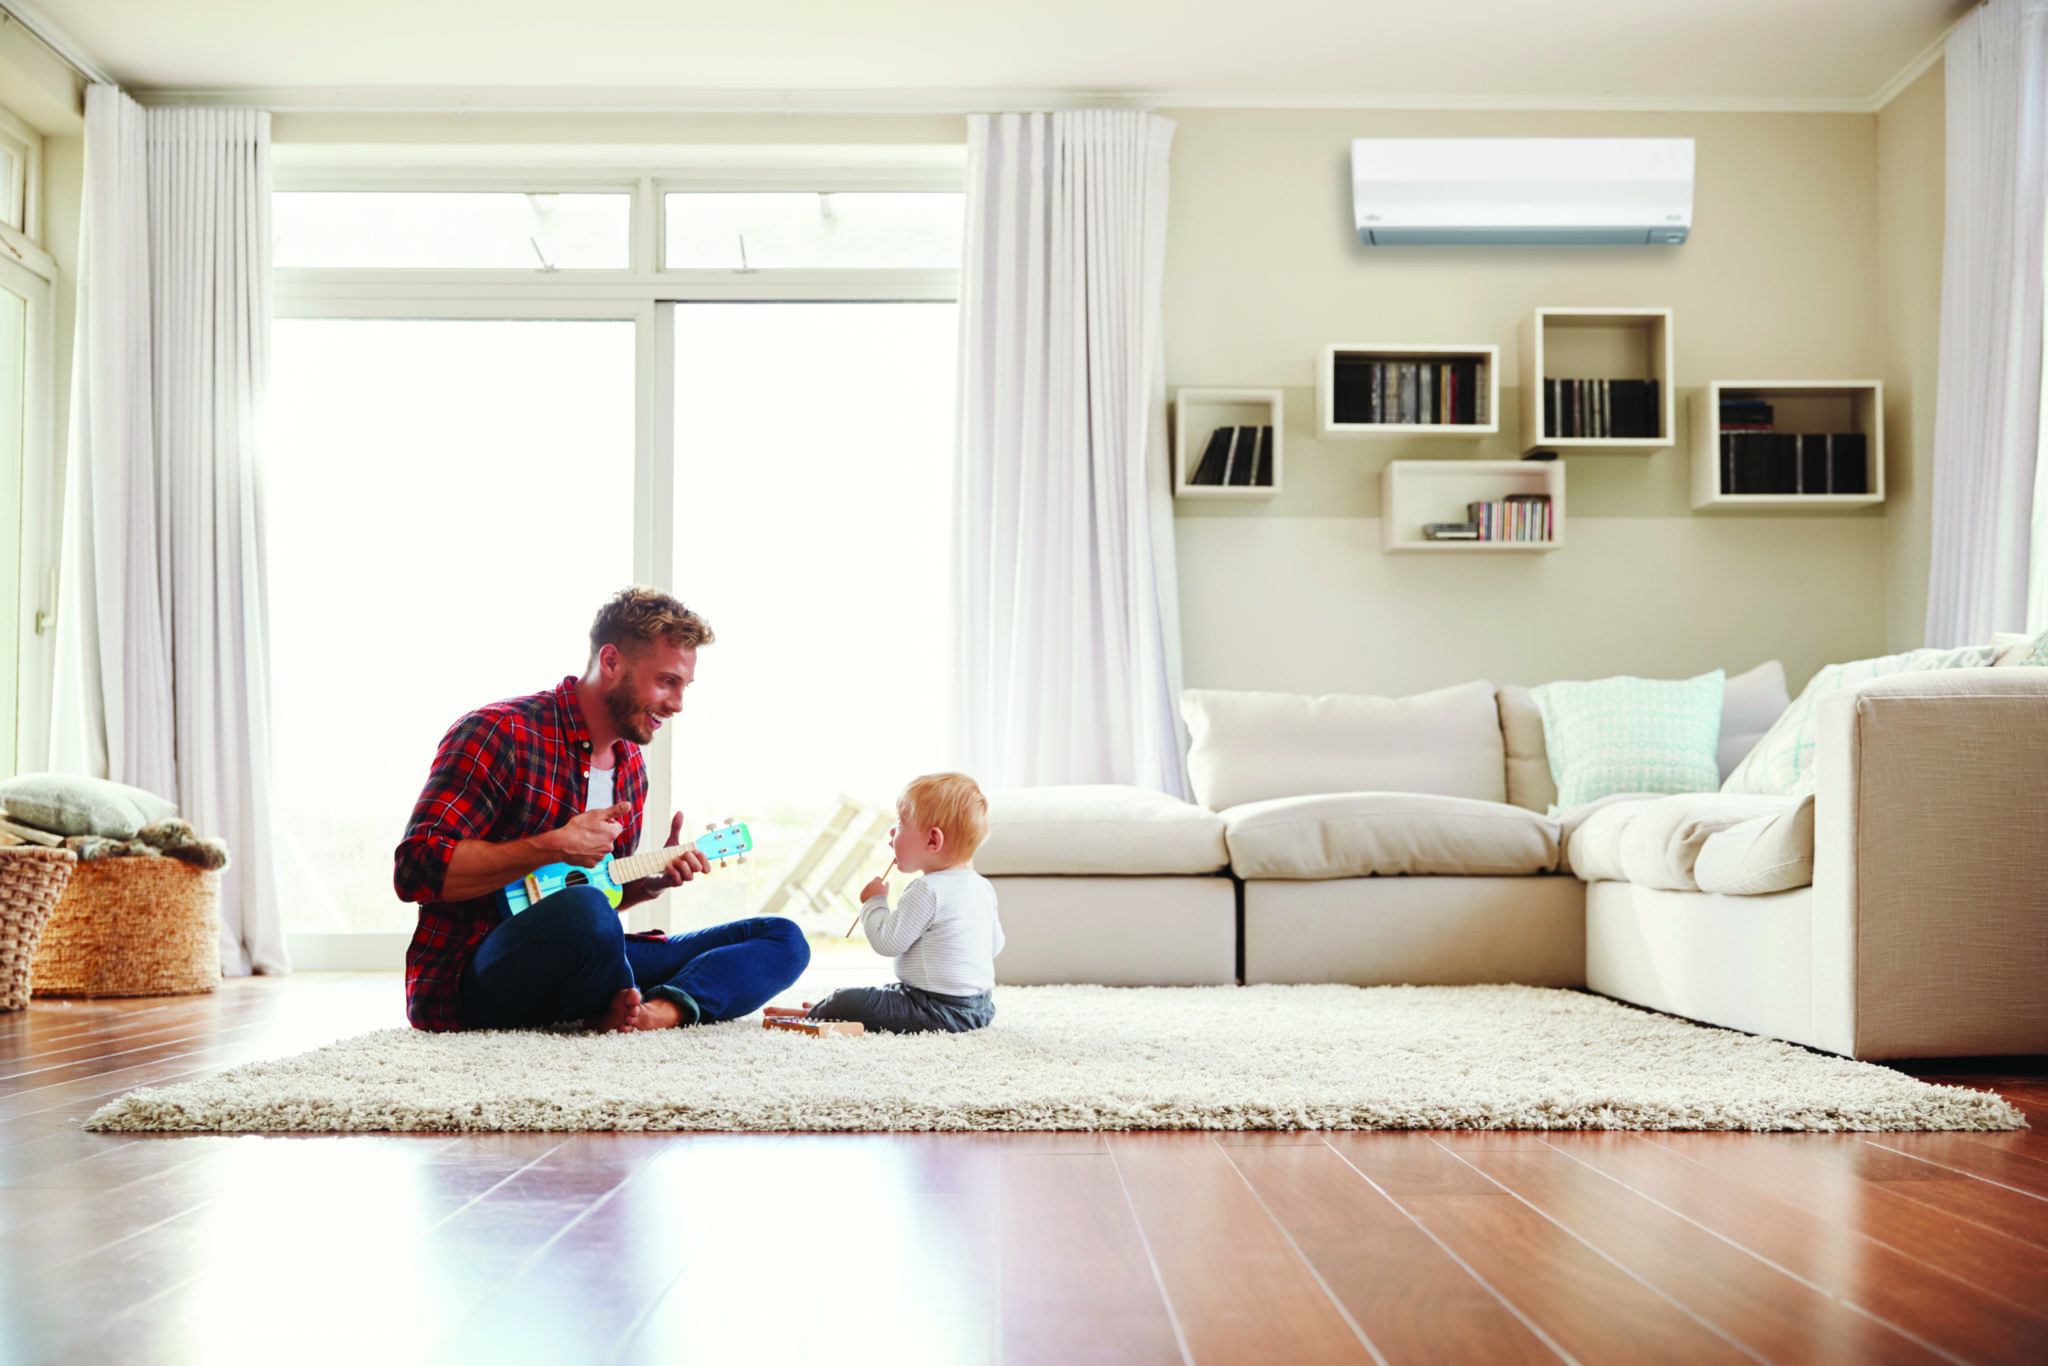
column 1798, row 406
column 1332, row 356
column 1414, row 493
column 1596, row 343
column 1198, row 412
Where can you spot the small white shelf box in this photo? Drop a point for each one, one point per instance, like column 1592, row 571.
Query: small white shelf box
column 1198, row 412
column 1414, row 493
column 1797, row 405
column 1596, row 343
column 1339, row 352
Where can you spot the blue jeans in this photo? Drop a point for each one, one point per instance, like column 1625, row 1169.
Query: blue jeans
column 566, row 956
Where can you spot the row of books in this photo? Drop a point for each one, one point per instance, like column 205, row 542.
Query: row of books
column 1242, row 456
column 1449, row 393
column 1517, row 517
column 1601, row 408
column 1788, row 462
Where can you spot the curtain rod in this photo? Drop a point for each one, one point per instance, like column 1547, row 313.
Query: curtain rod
column 54, row 40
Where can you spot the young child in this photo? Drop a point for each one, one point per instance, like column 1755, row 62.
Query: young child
column 943, row 933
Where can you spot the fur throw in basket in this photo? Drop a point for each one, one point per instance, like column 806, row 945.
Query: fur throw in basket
column 165, row 839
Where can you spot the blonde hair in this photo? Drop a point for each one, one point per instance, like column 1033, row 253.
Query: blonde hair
column 636, row 617
column 953, row 803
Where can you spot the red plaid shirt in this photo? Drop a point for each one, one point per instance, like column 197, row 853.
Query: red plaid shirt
column 504, row 772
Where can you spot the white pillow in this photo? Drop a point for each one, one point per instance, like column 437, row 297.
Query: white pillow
column 1751, row 704
column 1255, row 746
column 1782, row 762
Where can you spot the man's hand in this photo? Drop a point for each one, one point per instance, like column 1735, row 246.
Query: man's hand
column 676, row 874
column 588, row 837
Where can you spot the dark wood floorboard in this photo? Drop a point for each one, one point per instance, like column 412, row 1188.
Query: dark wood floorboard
column 964, row 1249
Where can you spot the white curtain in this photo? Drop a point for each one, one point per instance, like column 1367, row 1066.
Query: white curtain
column 1066, row 616
column 166, row 638
column 1988, row 402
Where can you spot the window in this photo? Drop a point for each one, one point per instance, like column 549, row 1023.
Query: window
column 468, row 458
column 858, row 231
column 449, row 500
column 452, row 231
column 814, row 505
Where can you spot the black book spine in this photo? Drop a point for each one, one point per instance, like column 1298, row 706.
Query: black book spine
column 1245, row 468
column 1550, row 432
column 1210, row 469
column 1851, row 463
column 1728, row 463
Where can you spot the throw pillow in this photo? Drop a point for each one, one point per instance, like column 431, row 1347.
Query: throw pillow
column 67, row 804
column 1782, row 762
column 1631, row 735
column 2035, row 656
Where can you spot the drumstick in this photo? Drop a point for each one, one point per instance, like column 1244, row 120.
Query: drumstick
column 856, row 919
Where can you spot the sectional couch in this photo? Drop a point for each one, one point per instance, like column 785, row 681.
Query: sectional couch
column 1900, row 909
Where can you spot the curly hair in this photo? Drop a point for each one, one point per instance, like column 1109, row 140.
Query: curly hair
column 635, row 617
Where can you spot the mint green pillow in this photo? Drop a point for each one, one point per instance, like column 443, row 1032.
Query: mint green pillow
column 1782, row 762
column 2037, row 656
column 1631, row 735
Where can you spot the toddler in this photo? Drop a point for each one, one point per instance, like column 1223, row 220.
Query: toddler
column 943, row 933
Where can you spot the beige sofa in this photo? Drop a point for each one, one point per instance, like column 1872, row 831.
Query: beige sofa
column 1900, row 911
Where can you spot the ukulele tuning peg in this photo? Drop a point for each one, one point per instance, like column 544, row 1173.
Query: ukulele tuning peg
column 721, row 863
column 741, row 859
column 713, row 825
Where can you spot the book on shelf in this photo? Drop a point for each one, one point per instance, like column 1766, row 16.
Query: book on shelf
column 1602, row 409
column 1451, row 531
column 1245, row 469
column 1444, row 393
column 1516, row 517
column 1263, row 470
column 1798, row 463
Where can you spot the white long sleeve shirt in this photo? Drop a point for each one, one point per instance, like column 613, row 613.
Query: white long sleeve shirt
column 943, row 933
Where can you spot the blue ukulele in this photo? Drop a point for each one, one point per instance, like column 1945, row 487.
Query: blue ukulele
column 730, row 840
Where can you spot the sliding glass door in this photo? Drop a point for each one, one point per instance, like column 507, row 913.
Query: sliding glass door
column 449, row 502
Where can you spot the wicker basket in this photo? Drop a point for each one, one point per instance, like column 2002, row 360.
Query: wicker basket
column 133, row 927
column 31, row 881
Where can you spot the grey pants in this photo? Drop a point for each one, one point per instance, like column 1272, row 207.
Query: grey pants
column 901, row 1008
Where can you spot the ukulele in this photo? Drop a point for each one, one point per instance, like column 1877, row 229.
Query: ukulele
column 730, row 840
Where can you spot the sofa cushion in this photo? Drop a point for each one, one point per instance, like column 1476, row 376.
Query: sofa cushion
column 1631, row 734
column 1750, row 703
column 1589, row 836
column 1358, row 834
column 1782, row 762
column 1122, row 831
column 1767, row 853
column 1661, row 843
column 2021, row 651
column 68, row 804
column 1255, row 746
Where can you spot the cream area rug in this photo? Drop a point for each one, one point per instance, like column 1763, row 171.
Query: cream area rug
column 1082, row 1057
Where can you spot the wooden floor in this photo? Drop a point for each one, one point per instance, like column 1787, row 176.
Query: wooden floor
column 1026, row 1248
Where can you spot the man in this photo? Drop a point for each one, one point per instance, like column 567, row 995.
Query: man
column 558, row 778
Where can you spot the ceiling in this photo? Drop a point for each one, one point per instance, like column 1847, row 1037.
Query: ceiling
column 1683, row 53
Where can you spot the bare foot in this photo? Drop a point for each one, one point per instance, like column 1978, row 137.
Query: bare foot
column 656, row 1014
column 619, row 1014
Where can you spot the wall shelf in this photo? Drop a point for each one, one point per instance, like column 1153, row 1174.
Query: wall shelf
column 1596, row 343
column 1798, row 406
column 1414, row 493
column 1198, row 412
column 1342, row 354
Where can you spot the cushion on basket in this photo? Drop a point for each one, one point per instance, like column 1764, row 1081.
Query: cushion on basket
column 67, row 804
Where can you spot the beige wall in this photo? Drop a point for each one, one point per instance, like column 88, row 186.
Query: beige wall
column 1911, row 135
column 1779, row 281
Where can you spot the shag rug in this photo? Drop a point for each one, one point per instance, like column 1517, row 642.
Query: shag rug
column 1082, row 1057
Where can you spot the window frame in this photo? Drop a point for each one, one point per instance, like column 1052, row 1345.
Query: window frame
column 643, row 294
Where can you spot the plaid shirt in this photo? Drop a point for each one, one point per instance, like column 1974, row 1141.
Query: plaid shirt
column 504, row 772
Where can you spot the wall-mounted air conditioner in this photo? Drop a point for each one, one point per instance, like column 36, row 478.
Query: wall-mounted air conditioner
column 1496, row 191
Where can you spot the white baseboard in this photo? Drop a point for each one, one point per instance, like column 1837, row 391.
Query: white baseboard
column 347, row 952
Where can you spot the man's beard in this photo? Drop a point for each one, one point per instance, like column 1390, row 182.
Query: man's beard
column 628, row 717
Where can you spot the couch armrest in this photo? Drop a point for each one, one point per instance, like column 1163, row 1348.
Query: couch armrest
column 1931, row 865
